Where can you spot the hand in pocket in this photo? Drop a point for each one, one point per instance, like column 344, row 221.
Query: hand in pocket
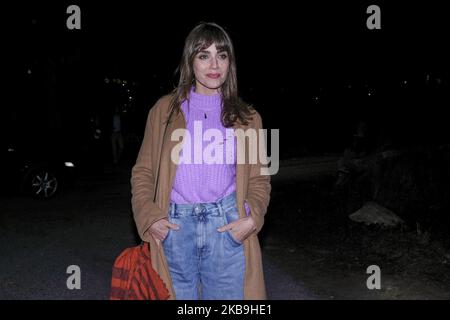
column 240, row 229
column 160, row 229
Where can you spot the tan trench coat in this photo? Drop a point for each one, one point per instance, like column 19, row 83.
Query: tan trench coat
column 251, row 186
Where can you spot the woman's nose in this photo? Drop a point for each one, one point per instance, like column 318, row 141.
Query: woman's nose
column 214, row 63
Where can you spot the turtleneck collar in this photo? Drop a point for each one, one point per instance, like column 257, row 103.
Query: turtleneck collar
column 204, row 102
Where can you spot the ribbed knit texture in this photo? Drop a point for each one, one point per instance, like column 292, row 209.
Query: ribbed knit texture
column 204, row 182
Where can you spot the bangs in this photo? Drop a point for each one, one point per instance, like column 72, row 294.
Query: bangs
column 208, row 36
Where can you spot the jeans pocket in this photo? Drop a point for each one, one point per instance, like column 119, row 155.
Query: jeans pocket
column 230, row 216
column 167, row 235
column 233, row 240
column 170, row 230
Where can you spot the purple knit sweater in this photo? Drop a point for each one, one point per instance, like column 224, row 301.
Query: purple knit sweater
column 199, row 181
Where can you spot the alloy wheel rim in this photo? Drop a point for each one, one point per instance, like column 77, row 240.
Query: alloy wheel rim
column 44, row 184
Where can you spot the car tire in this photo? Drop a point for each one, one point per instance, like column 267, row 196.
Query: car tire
column 43, row 184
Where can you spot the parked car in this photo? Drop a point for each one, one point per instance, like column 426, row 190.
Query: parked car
column 40, row 172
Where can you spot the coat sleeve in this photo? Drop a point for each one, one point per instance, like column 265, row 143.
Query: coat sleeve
column 259, row 188
column 143, row 177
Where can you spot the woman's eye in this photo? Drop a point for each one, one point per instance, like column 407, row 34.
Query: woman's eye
column 203, row 56
column 223, row 56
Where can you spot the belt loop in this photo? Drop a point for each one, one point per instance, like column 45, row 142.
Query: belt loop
column 219, row 205
column 172, row 209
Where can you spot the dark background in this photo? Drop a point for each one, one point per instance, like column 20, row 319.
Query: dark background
column 312, row 70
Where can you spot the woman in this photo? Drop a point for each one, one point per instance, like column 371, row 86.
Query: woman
column 201, row 218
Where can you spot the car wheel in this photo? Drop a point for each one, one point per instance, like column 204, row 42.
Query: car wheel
column 44, row 184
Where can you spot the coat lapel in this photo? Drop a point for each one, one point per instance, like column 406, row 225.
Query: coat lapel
column 179, row 122
column 240, row 179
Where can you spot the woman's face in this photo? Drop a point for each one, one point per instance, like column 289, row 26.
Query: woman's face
column 211, row 70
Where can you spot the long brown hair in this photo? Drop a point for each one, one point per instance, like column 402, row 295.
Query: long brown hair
column 200, row 38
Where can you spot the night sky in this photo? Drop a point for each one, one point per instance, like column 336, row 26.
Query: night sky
column 311, row 70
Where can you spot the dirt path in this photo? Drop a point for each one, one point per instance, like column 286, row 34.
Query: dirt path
column 317, row 275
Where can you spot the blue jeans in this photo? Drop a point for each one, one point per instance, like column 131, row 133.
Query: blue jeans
column 203, row 262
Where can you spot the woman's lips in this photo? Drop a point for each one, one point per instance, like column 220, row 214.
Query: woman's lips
column 213, row 75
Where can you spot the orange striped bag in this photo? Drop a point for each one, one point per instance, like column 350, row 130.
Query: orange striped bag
column 133, row 277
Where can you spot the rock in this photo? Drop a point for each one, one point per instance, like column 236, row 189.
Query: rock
column 373, row 213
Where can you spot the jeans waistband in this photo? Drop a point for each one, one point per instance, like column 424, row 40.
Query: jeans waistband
column 211, row 208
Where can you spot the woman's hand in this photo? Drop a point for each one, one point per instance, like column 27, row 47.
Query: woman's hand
column 240, row 229
column 160, row 229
